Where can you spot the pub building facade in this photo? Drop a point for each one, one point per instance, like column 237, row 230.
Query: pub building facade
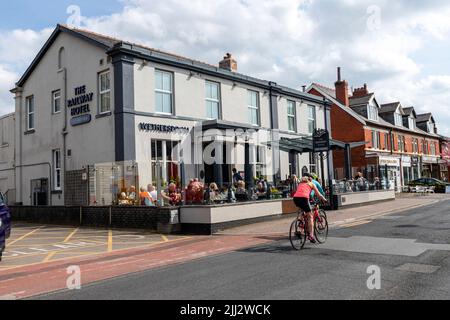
column 96, row 115
column 401, row 146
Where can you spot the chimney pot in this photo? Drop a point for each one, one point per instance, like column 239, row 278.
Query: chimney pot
column 228, row 63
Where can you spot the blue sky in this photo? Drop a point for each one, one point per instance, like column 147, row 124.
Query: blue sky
column 400, row 49
column 44, row 13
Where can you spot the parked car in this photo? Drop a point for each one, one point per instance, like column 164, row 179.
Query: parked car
column 5, row 224
column 437, row 185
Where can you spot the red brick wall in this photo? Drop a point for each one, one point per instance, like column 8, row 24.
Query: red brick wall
column 345, row 128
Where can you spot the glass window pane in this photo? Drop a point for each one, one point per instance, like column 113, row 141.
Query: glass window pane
column 159, row 102
column 167, row 82
column 167, row 103
column 159, row 80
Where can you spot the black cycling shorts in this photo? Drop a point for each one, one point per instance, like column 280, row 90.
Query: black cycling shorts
column 303, row 204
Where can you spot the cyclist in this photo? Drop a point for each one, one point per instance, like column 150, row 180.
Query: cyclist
column 314, row 179
column 301, row 200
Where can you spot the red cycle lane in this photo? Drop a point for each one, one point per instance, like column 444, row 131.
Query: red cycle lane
column 48, row 277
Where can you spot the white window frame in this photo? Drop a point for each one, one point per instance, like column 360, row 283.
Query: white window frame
column 430, row 127
column 433, row 148
column 30, row 114
column 165, row 92
column 398, row 119
column 292, row 116
column 104, row 92
column 57, row 170
column 252, row 108
column 372, row 112
column 375, row 140
column 216, row 101
column 412, row 123
column 312, row 118
column 54, row 99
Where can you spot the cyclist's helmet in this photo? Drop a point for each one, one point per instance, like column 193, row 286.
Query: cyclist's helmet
column 313, row 176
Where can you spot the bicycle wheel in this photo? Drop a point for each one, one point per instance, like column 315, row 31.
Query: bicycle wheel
column 297, row 235
column 321, row 227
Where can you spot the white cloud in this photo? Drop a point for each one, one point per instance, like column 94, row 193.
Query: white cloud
column 292, row 42
column 7, row 79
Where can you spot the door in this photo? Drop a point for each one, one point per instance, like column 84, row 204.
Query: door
column 39, row 192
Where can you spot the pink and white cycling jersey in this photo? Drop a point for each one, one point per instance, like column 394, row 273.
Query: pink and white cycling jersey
column 304, row 190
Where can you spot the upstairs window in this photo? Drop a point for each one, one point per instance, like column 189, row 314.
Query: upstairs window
column 253, row 107
column 386, row 141
column 398, row 119
column 412, row 123
column 30, row 112
column 104, row 92
column 372, row 112
column 56, row 101
column 212, row 100
column 291, row 116
column 433, row 148
column 311, row 119
column 430, row 127
column 164, row 92
column 375, row 139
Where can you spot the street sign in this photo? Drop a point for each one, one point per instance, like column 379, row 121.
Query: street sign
column 321, row 140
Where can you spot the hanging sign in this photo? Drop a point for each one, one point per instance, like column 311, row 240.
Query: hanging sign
column 321, row 140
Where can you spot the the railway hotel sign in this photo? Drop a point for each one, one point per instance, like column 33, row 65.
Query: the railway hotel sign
column 80, row 106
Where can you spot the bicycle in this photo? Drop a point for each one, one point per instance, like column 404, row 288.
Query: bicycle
column 298, row 234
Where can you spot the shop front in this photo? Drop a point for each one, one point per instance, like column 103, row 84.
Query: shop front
column 410, row 169
column 430, row 167
column 390, row 172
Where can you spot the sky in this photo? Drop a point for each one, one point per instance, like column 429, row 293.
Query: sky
column 399, row 48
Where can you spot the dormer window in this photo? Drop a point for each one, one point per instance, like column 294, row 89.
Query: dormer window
column 411, row 123
column 398, row 119
column 372, row 112
column 430, row 127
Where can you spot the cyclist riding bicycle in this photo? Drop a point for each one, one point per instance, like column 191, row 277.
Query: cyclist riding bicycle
column 301, row 200
column 314, row 179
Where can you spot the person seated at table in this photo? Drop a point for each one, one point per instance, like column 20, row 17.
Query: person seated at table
column 171, row 195
column 132, row 194
column 145, row 198
column 123, row 201
column 261, row 191
column 153, row 193
column 241, row 192
column 214, row 193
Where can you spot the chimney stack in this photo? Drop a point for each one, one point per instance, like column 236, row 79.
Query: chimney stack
column 341, row 89
column 228, row 63
column 361, row 92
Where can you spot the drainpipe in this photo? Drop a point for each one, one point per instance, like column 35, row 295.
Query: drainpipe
column 64, row 131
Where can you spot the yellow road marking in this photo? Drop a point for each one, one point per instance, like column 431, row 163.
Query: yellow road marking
column 110, row 241
column 70, row 235
column 354, row 224
column 164, row 238
column 24, row 236
column 49, row 256
column 83, row 255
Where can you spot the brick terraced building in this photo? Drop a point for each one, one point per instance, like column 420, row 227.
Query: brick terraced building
column 401, row 145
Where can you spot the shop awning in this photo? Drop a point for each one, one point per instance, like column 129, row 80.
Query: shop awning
column 305, row 144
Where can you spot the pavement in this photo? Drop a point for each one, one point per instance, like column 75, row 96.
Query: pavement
column 38, row 257
column 403, row 255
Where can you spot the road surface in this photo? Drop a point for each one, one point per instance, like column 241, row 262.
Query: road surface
column 411, row 250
